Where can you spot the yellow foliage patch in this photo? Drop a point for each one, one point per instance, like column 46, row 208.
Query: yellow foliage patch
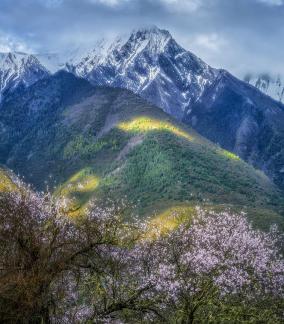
column 78, row 190
column 146, row 124
column 6, row 183
column 169, row 220
column 229, row 155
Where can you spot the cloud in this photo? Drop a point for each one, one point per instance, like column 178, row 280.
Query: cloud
column 11, row 44
column 51, row 3
column 109, row 3
column 272, row 2
column 212, row 42
column 224, row 33
column 181, row 5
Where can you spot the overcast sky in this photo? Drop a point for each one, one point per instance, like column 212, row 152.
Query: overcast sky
column 239, row 35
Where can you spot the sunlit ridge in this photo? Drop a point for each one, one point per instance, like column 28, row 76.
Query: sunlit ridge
column 146, row 124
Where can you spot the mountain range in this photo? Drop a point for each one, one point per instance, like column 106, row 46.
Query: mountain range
column 99, row 123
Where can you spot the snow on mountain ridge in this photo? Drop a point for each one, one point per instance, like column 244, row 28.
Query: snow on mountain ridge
column 271, row 85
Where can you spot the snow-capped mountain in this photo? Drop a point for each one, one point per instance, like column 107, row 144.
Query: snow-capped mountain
column 19, row 69
column 151, row 64
column 272, row 86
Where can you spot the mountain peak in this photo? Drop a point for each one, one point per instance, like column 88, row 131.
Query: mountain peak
column 19, row 68
column 14, row 58
column 18, row 60
column 148, row 31
column 157, row 38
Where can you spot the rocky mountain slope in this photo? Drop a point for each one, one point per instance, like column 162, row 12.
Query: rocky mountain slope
column 19, row 69
column 85, row 142
column 149, row 63
column 242, row 120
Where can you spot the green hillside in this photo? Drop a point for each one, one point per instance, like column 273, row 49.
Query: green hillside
column 111, row 144
column 155, row 163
